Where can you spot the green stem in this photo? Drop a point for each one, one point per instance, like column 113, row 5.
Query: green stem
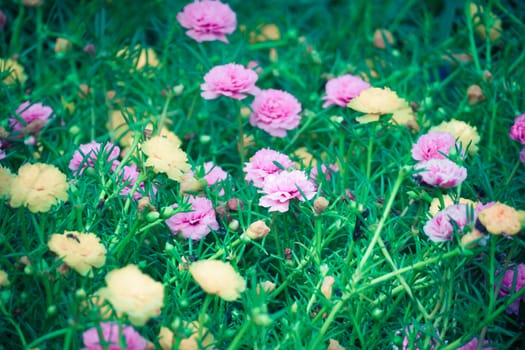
column 221, row 251
column 369, row 156
column 472, row 40
column 163, row 115
column 17, row 29
column 300, row 131
column 9, row 318
column 240, row 142
column 41, row 38
column 513, row 172
column 240, row 335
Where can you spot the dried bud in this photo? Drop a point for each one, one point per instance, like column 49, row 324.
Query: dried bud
column 327, row 286
column 144, row 203
column 487, row 76
column 63, row 45
column 266, row 286
column 380, row 35
column 320, row 205
column 235, row 204
column 257, row 230
column 85, row 91
column 475, row 95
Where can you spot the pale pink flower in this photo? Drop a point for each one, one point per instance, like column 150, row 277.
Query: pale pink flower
column 197, row 223
column 514, row 276
column 522, row 155
column 265, row 162
column 214, row 175
column 473, row 345
column 441, row 227
column 276, row 112
column 231, row 80
column 517, row 130
column 208, row 20
column 326, row 171
column 442, row 173
column 88, row 154
column 433, row 145
column 279, row 189
column 35, row 116
column 129, row 176
column 112, row 334
column 341, row 90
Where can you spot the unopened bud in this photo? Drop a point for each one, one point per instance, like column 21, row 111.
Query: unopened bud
column 475, row 95
column 152, row 216
column 234, row 225
column 382, row 37
column 320, row 205
column 266, row 286
column 257, row 230
column 327, row 286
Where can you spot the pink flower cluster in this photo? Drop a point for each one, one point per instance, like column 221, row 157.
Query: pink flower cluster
column 265, row 162
column 517, row 132
column 341, row 90
column 35, row 117
column 208, row 20
column 112, row 333
column 88, row 154
column 442, row 173
column 276, row 112
column 513, row 281
column 231, row 80
column 280, row 188
column 441, row 227
column 433, row 145
column 195, row 224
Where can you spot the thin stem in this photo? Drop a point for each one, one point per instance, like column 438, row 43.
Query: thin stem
column 240, row 335
column 472, row 40
column 163, row 115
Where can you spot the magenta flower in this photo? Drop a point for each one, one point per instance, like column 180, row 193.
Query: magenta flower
column 197, row 223
column 514, row 276
column 279, row 189
column 112, row 335
column 522, row 155
column 87, row 154
column 442, row 173
column 35, row 116
column 2, row 152
column 341, row 90
column 3, row 20
column 231, row 80
column 517, row 130
column 441, row 227
column 413, row 339
column 433, row 145
column 275, row 112
column 473, row 345
column 263, row 163
column 208, row 20
column 214, row 174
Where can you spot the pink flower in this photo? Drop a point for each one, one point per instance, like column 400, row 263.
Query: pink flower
column 231, row 80
column 433, row 145
column 326, row 171
column 208, row 20
column 522, row 155
column 513, row 276
column 88, row 154
column 517, row 130
column 279, row 189
column 473, row 345
column 197, row 223
column 35, row 116
column 341, row 90
column 442, row 173
column 263, row 163
column 275, row 112
column 413, row 339
column 129, row 176
column 441, row 227
column 112, row 334
column 2, row 152
column 214, row 174
column 3, row 20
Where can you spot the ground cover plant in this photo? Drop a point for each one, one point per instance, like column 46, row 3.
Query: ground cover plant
column 306, row 174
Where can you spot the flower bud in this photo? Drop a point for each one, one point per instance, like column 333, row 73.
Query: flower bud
column 327, row 286
column 320, row 205
column 167, row 212
column 152, row 216
column 266, row 286
column 380, row 35
column 474, row 95
column 234, row 225
column 257, row 230
column 63, row 45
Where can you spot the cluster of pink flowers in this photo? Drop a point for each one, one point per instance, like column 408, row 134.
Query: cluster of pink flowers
column 230, row 80
column 280, row 188
column 197, row 223
column 513, row 281
column 266, row 162
column 517, row 132
column 34, row 115
column 88, row 154
column 341, row 90
column 435, row 169
column 276, row 112
column 112, row 336
column 208, row 20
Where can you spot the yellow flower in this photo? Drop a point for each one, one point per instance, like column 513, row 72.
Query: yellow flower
column 4, row 279
column 477, row 15
column 378, row 101
column 305, row 158
column 334, row 345
column 466, row 134
column 80, row 251
column 500, row 219
column 133, row 293
column 219, row 278
column 146, row 57
column 15, row 69
column 6, row 178
column 118, row 126
column 435, row 205
column 165, row 156
column 200, row 338
column 38, row 186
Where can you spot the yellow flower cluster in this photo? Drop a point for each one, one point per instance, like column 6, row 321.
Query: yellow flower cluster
column 200, row 338
column 80, row 251
column 38, row 187
column 219, row 278
column 165, row 156
column 133, row 293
